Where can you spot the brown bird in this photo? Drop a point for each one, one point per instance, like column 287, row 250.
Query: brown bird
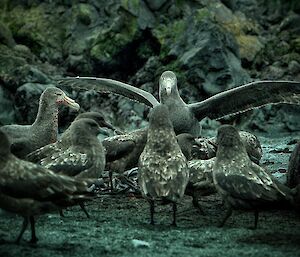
column 79, row 155
column 123, row 151
column 200, row 181
column 163, row 171
column 65, row 141
column 27, row 138
column 84, row 157
column 207, row 148
column 241, row 183
column 28, row 189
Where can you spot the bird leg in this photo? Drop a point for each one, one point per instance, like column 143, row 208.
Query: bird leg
column 151, row 202
column 111, row 180
column 255, row 219
column 174, row 214
column 24, row 226
column 81, row 204
column 197, row 205
column 33, row 239
column 227, row 215
column 61, row 213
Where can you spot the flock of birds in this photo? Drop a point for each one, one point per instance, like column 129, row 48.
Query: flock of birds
column 40, row 173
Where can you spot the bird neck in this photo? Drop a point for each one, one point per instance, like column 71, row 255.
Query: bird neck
column 156, row 139
column 47, row 117
column 174, row 97
column 83, row 139
column 4, row 156
column 231, row 153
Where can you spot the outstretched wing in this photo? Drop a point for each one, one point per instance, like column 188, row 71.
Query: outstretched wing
column 103, row 85
column 247, row 97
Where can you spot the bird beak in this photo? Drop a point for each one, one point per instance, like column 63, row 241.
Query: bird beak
column 71, row 103
column 103, row 132
column 168, row 87
column 108, row 125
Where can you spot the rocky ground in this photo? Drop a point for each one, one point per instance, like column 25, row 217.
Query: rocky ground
column 119, row 225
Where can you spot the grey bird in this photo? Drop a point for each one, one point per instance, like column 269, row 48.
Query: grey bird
column 44, row 130
column 293, row 173
column 163, row 171
column 186, row 117
column 28, row 189
column 241, row 183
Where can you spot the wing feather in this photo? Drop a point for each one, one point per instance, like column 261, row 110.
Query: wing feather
column 247, row 97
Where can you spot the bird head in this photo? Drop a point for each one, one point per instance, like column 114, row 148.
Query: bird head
column 228, row 136
column 186, row 142
column 59, row 97
column 85, row 127
column 99, row 118
column 167, row 84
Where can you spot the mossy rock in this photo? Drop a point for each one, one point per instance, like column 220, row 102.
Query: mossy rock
column 169, row 33
column 249, row 46
column 36, row 28
column 112, row 40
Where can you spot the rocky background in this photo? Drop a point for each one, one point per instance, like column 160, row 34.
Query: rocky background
column 211, row 45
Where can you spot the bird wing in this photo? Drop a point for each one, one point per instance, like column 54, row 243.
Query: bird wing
column 23, row 179
column 102, row 85
column 247, row 97
column 41, row 153
column 256, row 184
column 69, row 162
column 116, row 149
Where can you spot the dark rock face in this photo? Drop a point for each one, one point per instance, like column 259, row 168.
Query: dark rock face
column 210, row 45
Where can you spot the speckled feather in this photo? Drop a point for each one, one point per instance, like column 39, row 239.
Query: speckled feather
column 163, row 170
column 240, row 181
column 23, row 183
column 83, row 156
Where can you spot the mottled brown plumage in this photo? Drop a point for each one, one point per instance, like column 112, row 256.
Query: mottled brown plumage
column 123, row 151
column 207, row 148
column 201, row 180
column 28, row 189
column 27, row 138
column 65, row 141
column 163, row 171
column 84, row 157
column 241, row 183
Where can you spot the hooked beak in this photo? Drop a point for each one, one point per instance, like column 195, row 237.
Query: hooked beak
column 71, row 103
column 168, row 87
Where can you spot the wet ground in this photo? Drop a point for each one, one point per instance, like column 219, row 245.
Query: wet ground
column 119, row 226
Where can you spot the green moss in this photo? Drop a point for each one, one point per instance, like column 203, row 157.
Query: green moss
column 132, row 6
column 296, row 44
column 109, row 42
column 202, row 14
column 249, row 46
column 84, row 13
column 35, row 27
column 169, row 33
